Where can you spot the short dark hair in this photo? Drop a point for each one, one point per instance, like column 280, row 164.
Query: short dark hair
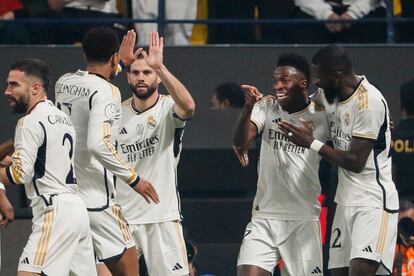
column 407, row 96
column 231, row 92
column 36, row 68
column 99, row 44
column 296, row 61
column 333, row 58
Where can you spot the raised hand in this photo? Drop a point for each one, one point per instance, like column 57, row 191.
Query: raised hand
column 252, row 94
column 154, row 57
column 147, row 191
column 126, row 50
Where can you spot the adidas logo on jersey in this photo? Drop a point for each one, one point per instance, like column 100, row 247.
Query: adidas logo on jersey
column 25, row 261
column 177, row 267
column 316, row 270
column 367, row 249
column 277, row 120
column 123, row 131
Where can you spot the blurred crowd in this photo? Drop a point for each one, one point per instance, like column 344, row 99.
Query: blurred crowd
column 81, row 15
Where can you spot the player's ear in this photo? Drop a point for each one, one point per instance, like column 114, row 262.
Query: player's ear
column 36, row 88
column 303, row 84
column 226, row 103
column 158, row 80
column 114, row 59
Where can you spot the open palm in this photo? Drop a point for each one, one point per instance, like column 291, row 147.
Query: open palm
column 154, row 57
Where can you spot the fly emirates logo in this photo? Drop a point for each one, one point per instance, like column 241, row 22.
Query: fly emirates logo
column 340, row 138
column 140, row 149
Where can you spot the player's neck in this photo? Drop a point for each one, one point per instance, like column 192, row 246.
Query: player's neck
column 103, row 70
column 34, row 101
column 141, row 105
column 351, row 83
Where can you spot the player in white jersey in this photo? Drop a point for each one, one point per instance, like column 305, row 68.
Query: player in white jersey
column 149, row 138
column 94, row 106
column 364, row 230
column 285, row 221
column 60, row 243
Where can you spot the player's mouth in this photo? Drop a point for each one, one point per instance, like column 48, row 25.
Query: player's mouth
column 141, row 86
column 12, row 102
column 281, row 96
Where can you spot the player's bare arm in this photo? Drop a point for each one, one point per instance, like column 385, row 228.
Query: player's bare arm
column 353, row 160
column 245, row 131
column 184, row 104
column 6, row 148
column 6, row 209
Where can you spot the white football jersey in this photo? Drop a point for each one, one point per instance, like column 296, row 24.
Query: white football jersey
column 43, row 157
column 150, row 142
column 288, row 184
column 363, row 115
column 94, row 105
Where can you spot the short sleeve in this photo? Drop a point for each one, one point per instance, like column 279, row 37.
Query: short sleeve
column 258, row 116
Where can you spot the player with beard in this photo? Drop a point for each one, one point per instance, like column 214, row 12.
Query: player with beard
column 60, row 242
column 285, row 219
column 94, row 106
column 149, row 138
column 364, row 230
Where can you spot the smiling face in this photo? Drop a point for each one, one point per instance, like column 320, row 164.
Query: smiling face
column 142, row 79
column 18, row 91
column 289, row 86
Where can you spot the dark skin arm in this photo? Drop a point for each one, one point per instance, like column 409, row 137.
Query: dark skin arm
column 6, row 148
column 353, row 160
column 6, row 209
column 245, row 131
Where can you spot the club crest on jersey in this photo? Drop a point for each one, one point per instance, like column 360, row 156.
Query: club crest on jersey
column 151, row 123
column 346, row 119
column 140, row 131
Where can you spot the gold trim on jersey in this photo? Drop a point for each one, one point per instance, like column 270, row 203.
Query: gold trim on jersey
column 383, row 233
column 368, row 136
column 362, row 98
column 43, row 243
column 115, row 92
column 106, row 138
column 123, row 227
column 318, row 106
column 360, row 89
column 17, row 167
column 266, row 99
column 181, row 241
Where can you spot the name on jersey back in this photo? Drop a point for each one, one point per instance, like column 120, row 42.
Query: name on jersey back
column 72, row 89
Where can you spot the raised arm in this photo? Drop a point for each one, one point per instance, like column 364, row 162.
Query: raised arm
column 184, row 104
column 245, row 130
